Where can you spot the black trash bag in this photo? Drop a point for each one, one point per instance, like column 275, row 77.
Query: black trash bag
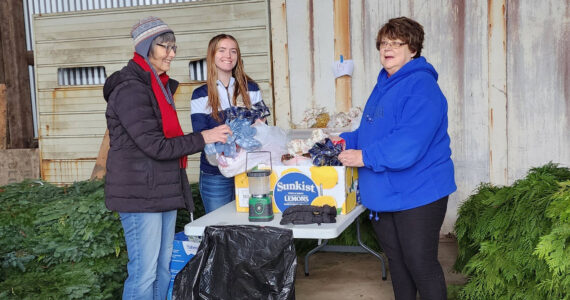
column 240, row 262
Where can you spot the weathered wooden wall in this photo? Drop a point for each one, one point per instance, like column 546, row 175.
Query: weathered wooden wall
column 3, row 116
column 72, row 118
column 503, row 66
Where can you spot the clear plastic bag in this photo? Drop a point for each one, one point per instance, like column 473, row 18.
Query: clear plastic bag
column 272, row 139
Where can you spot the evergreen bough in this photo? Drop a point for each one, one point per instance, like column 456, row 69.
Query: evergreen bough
column 59, row 243
column 62, row 243
column 514, row 241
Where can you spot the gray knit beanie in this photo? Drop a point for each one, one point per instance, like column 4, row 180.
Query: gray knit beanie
column 145, row 31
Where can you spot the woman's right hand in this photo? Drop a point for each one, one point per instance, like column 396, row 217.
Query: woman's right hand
column 217, row 134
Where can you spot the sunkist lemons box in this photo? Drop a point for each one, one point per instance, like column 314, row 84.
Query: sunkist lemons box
column 305, row 185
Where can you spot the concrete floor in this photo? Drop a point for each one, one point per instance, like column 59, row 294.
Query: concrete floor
column 358, row 275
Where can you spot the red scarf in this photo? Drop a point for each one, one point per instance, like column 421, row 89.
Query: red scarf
column 170, row 124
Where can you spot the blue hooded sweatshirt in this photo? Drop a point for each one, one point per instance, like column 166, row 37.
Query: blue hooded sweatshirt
column 404, row 141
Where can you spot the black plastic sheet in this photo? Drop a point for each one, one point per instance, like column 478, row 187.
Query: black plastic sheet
column 240, row 262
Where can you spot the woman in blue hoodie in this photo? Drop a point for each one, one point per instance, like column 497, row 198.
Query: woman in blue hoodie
column 405, row 169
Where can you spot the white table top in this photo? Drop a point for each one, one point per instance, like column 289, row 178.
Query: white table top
column 227, row 215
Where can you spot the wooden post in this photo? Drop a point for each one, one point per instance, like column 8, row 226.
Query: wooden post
column 18, row 96
column 3, row 129
column 280, row 63
column 2, row 73
column 497, row 51
column 100, row 168
column 343, row 98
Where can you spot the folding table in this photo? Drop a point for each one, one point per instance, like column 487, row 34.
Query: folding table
column 227, row 215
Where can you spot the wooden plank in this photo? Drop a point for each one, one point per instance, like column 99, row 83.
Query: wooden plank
column 72, row 124
column 100, row 168
column 67, row 171
column 2, row 75
column 19, row 106
column 343, row 99
column 280, row 63
column 497, row 86
column 3, row 115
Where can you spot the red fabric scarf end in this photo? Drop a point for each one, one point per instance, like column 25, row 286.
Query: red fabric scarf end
column 170, row 123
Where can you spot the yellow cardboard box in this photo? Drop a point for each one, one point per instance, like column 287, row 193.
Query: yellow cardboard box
column 335, row 186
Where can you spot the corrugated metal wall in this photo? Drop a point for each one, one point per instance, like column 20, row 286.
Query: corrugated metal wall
column 72, row 118
column 503, row 66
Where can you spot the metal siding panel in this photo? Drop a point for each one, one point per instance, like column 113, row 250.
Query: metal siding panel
column 360, row 40
column 73, row 124
column 300, row 57
column 498, row 100
column 538, row 85
column 468, row 107
column 453, row 32
column 323, row 56
column 66, row 171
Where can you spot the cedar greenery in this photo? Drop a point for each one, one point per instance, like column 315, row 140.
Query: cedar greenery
column 62, row 243
column 59, row 243
column 514, row 241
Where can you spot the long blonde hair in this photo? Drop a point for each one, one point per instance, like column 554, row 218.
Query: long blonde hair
column 238, row 73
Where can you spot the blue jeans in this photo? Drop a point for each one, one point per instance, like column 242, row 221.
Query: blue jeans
column 216, row 190
column 149, row 238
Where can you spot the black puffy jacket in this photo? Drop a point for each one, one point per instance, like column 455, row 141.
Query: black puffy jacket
column 143, row 171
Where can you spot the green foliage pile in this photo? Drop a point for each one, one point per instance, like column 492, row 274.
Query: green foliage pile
column 59, row 243
column 514, row 241
column 62, row 243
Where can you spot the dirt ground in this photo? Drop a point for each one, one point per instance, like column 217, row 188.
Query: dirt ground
column 358, row 275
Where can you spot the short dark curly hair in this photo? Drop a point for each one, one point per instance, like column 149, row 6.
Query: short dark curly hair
column 405, row 29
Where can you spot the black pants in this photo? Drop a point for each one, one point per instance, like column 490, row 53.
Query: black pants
column 410, row 239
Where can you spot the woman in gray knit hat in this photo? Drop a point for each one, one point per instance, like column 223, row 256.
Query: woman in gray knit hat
column 146, row 178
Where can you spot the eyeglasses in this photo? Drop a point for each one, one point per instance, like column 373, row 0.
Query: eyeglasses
column 168, row 47
column 393, row 45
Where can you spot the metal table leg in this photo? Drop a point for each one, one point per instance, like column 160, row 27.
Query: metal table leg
column 378, row 255
column 324, row 243
column 323, row 247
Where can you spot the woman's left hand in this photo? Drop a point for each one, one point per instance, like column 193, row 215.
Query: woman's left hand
column 351, row 158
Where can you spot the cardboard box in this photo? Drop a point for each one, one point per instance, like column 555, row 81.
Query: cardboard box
column 182, row 251
column 305, row 185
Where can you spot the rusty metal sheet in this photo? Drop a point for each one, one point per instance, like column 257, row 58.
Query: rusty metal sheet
column 538, row 85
